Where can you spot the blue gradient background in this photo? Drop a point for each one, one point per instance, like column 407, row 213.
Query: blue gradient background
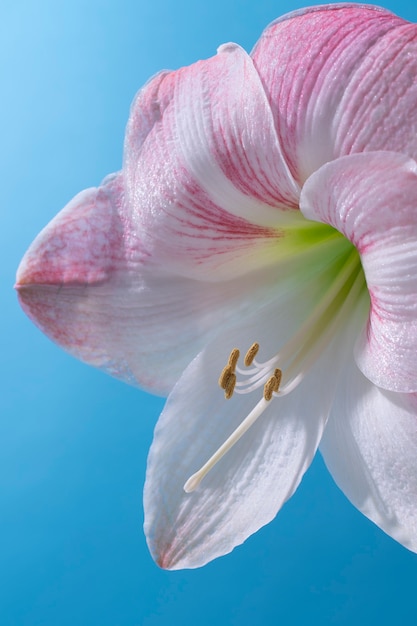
column 73, row 443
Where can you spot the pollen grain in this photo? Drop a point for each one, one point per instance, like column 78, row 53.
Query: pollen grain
column 225, row 375
column 233, row 358
column 230, row 386
column 272, row 384
column 251, row 354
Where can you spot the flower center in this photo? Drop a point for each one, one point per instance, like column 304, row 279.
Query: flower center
column 282, row 373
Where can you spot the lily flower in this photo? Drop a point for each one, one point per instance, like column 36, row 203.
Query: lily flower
column 259, row 243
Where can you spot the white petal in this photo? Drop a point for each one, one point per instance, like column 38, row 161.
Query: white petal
column 245, row 490
column 370, row 448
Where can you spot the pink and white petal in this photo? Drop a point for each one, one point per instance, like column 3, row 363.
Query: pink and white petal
column 88, row 283
column 248, row 486
column 336, row 82
column 142, row 328
column 370, row 448
column 372, row 199
column 83, row 244
column 378, row 109
column 79, row 282
column 108, row 305
column 145, row 113
column 209, row 178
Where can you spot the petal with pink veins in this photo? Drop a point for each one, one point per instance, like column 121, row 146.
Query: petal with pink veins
column 207, row 181
column 371, row 198
column 89, row 284
column 340, row 79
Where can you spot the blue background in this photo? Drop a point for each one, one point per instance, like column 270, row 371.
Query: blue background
column 73, row 442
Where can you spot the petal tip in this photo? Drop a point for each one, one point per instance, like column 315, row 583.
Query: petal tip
column 230, row 46
column 163, row 562
column 163, row 556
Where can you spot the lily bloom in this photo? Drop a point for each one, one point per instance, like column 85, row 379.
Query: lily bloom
column 259, row 243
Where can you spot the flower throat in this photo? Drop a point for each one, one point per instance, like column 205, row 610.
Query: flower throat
column 283, row 372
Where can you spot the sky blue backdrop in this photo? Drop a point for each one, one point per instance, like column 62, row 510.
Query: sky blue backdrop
column 73, row 443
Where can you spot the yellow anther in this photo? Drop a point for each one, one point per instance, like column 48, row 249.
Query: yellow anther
column 230, row 386
column 224, row 376
column 278, row 378
column 269, row 388
column 272, row 384
column 251, row 354
column 233, row 358
column 227, row 379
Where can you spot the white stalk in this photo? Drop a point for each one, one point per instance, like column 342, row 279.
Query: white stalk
column 194, row 480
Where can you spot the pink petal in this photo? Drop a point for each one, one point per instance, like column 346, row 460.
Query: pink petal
column 206, row 178
column 340, row 79
column 371, row 199
column 370, row 447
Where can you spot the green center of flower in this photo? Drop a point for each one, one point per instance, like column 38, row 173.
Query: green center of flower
column 283, row 372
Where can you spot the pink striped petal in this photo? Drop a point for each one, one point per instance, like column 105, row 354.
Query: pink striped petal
column 74, row 281
column 340, row 79
column 88, row 283
column 204, row 169
column 371, row 199
column 370, row 447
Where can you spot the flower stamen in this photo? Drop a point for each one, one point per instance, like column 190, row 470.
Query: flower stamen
column 227, row 381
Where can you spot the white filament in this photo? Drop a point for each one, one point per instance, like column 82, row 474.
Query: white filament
column 194, row 480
